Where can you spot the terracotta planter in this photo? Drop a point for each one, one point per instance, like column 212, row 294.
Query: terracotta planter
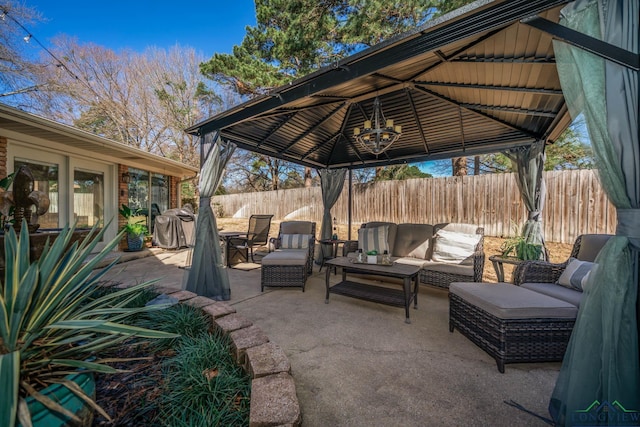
column 43, row 417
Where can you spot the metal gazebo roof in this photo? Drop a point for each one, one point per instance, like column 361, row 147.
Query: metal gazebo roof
column 478, row 80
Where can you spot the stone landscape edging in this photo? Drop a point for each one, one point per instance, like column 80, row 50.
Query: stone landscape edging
column 273, row 392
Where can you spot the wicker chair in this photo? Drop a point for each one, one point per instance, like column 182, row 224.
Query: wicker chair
column 257, row 235
column 585, row 248
column 288, row 266
column 478, row 310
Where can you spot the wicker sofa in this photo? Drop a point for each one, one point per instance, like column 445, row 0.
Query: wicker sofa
column 529, row 322
column 291, row 262
column 415, row 243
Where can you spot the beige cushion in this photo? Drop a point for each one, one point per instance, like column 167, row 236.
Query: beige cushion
column 413, row 240
column 445, row 267
column 506, row 301
column 286, row 257
column 295, row 241
column 454, row 248
column 418, row 262
column 575, row 274
column 374, row 238
column 457, row 227
column 553, row 290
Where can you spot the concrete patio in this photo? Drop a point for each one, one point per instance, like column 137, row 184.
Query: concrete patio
column 357, row 363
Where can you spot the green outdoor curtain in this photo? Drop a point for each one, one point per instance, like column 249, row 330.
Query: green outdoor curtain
column 528, row 163
column 208, row 275
column 601, row 363
column 331, row 184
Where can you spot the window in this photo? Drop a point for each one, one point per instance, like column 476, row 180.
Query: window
column 88, row 198
column 45, row 179
column 148, row 193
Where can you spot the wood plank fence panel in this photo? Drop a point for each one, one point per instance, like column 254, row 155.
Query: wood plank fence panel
column 574, row 204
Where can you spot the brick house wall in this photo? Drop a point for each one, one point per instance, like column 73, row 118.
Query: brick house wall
column 3, row 156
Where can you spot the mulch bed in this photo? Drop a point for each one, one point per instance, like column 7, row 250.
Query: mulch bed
column 132, row 398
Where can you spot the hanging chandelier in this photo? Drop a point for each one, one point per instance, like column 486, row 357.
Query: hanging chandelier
column 377, row 138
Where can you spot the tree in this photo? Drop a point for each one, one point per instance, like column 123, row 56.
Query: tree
column 569, row 151
column 459, row 166
column 16, row 71
column 291, row 39
column 400, row 172
column 295, row 37
column 143, row 100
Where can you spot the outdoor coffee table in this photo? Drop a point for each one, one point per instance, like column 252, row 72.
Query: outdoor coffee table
column 381, row 294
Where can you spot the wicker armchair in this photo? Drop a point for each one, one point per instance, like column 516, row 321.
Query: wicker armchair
column 585, row 248
column 298, row 227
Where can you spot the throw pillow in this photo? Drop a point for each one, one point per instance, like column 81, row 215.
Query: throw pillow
column 575, row 275
column 454, row 248
column 374, row 238
column 294, row 241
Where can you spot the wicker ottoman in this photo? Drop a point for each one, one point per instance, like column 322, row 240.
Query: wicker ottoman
column 284, row 268
column 512, row 324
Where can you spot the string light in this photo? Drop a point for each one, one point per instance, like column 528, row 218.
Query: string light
column 5, row 14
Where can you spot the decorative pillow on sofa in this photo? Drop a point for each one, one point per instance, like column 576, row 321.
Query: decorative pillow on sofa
column 374, row 238
column 294, row 241
column 454, row 248
column 575, row 275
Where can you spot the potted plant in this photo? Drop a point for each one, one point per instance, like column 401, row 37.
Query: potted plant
column 135, row 228
column 520, row 248
column 53, row 325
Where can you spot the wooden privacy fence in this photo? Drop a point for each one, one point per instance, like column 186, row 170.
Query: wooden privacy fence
column 574, row 204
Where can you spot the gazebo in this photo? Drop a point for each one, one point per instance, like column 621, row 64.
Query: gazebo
column 493, row 76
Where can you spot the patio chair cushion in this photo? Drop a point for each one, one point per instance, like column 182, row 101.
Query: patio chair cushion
column 295, row 241
column 297, row 227
column 553, row 290
column 392, row 233
column 507, row 301
column 413, row 240
column 449, row 268
column 591, row 245
column 454, row 247
column 575, row 274
column 286, row 257
column 418, row 262
column 374, row 238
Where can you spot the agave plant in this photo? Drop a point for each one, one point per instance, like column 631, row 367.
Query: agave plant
column 53, row 322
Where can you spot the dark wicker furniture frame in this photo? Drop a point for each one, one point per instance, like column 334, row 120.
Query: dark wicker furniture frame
column 283, row 276
column 511, row 340
column 288, row 275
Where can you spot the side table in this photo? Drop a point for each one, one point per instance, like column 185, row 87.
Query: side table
column 498, row 262
column 334, row 253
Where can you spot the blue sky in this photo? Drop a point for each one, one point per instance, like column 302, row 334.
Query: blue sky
column 207, row 26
